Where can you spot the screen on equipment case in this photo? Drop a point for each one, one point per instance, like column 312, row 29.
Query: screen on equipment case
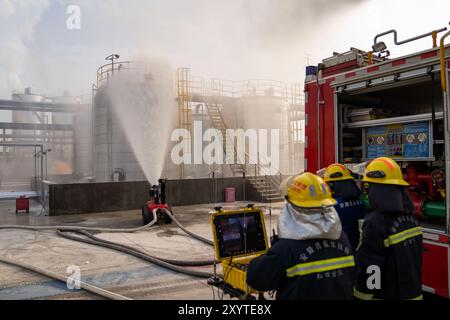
column 239, row 233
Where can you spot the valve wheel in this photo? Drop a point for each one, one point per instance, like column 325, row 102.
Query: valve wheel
column 438, row 176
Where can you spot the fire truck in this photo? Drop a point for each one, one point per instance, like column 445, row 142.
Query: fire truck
column 360, row 105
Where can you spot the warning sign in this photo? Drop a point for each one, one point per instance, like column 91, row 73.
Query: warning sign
column 398, row 141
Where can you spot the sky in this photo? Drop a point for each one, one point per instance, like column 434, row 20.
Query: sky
column 230, row 39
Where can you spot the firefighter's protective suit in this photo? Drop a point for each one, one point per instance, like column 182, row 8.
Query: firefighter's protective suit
column 389, row 259
column 349, row 204
column 312, row 258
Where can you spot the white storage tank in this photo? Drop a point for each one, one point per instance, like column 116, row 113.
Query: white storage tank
column 114, row 159
column 20, row 116
column 134, row 111
column 64, row 117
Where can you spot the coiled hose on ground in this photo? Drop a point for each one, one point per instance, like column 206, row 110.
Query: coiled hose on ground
column 174, row 265
column 76, row 228
column 129, row 250
column 86, row 286
column 187, row 263
column 111, row 230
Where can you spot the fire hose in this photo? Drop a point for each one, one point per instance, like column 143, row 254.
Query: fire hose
column 76, row 228
column 111, row 230
column 63, row 233
column 174, row 265
column 86, row 286
column 196, row 236
column 130, row 230
column 126, row 249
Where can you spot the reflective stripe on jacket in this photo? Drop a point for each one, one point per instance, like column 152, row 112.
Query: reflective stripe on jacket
column 313, row 269
column 402, row 236
column 302, row 269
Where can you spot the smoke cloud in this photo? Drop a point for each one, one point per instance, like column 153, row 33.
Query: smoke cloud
column 18, row 20
column 237, row 39
column 230, row 39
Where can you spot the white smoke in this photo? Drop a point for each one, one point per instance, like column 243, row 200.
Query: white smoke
column 237, row 39
column 18, row 20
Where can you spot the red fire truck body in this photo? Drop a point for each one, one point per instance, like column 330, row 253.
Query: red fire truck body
column 358, row 107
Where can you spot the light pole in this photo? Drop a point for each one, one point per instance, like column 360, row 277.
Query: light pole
column 111, row 58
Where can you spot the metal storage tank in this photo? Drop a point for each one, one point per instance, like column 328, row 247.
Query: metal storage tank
column 134, row 110
column 111, row 150
column 64, row 117
column 27, row 116
column 18, row 163
column 28, row 96
column 114, row 158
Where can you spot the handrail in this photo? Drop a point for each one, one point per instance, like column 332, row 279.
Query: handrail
column 219, row 87
column 396, row 42
column 104, row 71
column 442, row 60
column 244, row 88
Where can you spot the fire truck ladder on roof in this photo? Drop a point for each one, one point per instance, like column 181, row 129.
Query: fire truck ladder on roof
column 267, row 185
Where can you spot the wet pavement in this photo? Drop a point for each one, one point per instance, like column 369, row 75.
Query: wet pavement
column 106, row 268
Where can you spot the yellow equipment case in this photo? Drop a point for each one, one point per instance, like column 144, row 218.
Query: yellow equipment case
column 239, row 236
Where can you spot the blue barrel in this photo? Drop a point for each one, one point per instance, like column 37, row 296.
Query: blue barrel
column 311, row 70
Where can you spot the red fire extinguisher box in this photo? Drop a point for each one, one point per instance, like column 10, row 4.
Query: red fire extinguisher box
column 22, row 204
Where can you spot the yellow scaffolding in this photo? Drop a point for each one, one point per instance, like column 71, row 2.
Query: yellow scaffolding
column 191, row 90
column 184, row 105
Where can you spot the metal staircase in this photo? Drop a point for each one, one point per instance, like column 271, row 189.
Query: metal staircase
column 266, row 184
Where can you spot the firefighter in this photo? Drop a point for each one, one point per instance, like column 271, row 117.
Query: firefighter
column 349, row 205
column 311, row 259
column 389, row 259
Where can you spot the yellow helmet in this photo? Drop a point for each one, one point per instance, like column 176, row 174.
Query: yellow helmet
column 337, row 172
column 384, row 170
column 309, row 191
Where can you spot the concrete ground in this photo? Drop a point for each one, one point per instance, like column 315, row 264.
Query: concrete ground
column 106, row 268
